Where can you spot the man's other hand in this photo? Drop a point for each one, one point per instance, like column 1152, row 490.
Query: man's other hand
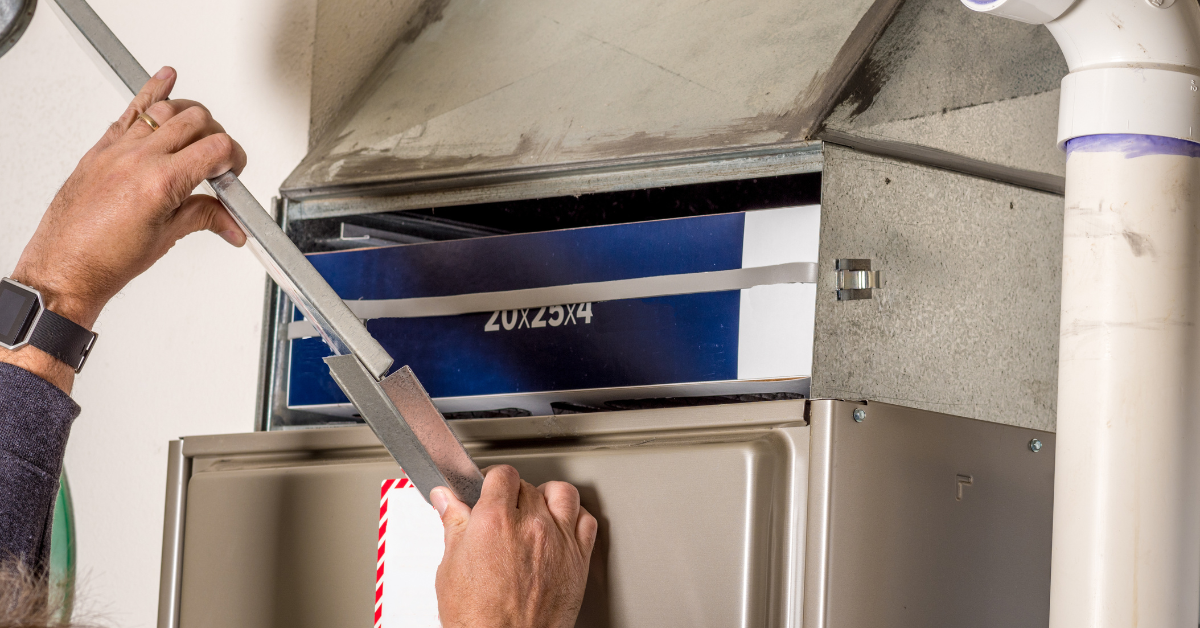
column 128, row 201
column 125, row 205
column 519, row 559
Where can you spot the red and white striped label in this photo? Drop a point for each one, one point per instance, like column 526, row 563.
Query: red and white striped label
column 410, row 548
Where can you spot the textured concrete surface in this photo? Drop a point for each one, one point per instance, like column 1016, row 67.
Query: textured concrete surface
column 967, row 322
column 946, row 77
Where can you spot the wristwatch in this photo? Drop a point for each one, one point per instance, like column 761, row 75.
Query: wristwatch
column 24, row 320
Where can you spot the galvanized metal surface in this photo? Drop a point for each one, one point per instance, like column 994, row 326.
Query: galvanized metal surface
column 611, row 175
column 278, row 347
column 968, row 324
column 939, row 158
column 272, row 296
column 929, row 520
column 349, row 39
column 431, row 430
column 543, row 403
column 698, row 509
column 920, row 80
column 486, row 88
column 400, row 413
column 952, row 81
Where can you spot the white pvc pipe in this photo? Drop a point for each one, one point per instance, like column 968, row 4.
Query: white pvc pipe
column 1126, row 524
column 1127, row 474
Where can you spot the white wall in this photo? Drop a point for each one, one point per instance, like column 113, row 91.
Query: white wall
column 178, row 348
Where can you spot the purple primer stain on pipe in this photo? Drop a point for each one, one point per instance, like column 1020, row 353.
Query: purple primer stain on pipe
column 1133, row 145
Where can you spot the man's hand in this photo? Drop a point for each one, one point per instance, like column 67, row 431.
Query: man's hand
column 127, row 203
column 519, row 559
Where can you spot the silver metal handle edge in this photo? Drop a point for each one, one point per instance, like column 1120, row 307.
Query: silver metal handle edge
column 414, row 455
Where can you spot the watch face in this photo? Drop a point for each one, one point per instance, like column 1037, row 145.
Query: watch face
column 18, row 307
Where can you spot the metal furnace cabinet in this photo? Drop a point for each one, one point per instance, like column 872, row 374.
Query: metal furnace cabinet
column 928, row 155
column 790, row 513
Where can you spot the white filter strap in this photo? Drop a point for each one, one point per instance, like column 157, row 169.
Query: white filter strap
column 639, row 288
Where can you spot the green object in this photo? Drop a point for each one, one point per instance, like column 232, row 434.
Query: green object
column 62, row 551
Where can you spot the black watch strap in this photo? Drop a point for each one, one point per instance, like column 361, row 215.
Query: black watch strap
column 63, row 339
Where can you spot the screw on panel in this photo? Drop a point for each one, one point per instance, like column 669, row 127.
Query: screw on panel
column 1160, row 4
column 1035, row 445
column 859, row 415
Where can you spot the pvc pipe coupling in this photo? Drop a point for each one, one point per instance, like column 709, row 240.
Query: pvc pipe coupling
column 1134, row 64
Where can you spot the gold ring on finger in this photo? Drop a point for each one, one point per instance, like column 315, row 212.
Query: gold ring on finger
column 144, row 117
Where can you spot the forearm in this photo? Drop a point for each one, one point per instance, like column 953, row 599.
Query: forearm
column 79, row 306
column 35, row 420
column 126, row 204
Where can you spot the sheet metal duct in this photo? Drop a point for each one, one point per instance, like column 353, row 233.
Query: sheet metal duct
column 529, row 85
column 893, row 80
column 947, row 87
column 491, row 96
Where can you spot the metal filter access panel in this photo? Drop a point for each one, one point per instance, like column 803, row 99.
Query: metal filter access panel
column 788, row 513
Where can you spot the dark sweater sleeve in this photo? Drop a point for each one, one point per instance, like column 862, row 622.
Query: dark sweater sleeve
column 35, row 420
